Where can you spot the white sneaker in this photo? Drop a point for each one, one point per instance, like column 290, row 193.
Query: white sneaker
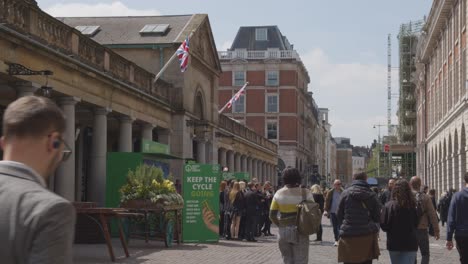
column 336, row 244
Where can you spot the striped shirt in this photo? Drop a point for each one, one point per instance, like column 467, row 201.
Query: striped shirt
column 283, row 208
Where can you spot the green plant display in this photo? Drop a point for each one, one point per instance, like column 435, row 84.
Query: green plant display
column 147, row 183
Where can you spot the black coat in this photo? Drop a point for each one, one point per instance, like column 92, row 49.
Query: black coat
column 401, row 225
column 252, row 202
column 385, row 197
column 358, row 210
column 318, row 198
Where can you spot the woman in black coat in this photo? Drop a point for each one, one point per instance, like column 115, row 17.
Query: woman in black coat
column 318, row 198
column 399, row 219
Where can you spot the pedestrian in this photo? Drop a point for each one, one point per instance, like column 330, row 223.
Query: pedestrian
column 236, row 199
column 427, row 215
column 294, row 247
column 331, row 206
column 457, row 222
column 268, row 194
column 242, row 187
column 37, row 225
column 260, row 211
column 318, row 198
column 444, row 203
column 359, row 212
column 222, row 188
column 252, row 203
column 387, row 194
column 399, row 220
column 432, row 194
column 227, row 210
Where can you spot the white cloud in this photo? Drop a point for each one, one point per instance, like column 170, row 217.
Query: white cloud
column 226, row 45
column 355, row 93
column 116, row 8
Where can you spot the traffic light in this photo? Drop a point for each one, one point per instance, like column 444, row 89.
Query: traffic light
column 386, row 148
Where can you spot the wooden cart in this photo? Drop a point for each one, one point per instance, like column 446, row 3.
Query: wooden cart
column 162, row 223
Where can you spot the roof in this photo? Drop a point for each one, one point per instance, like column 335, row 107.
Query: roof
column 245, row 39
column 126, row 30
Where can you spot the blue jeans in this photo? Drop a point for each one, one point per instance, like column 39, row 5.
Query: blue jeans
column 403, row 257
column 336, row 226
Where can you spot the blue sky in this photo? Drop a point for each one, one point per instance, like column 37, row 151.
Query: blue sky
column 342, row 43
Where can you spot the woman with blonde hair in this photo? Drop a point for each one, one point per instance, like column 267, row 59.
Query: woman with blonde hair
column 318, row 198
column 236, row 199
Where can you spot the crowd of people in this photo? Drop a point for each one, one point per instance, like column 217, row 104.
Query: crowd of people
column 406, row 211
column 244, row 209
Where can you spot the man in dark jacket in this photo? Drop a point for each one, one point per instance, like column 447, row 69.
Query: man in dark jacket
column 331, row 206
column 387, row 194
column 252, row 203
column 457, row 222
column 359, row 212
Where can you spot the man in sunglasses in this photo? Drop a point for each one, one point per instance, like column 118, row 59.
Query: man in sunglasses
column 36, row 225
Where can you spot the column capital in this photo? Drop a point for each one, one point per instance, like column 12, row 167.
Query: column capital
column 126, row 119
column 69, row 100
column 102, row 110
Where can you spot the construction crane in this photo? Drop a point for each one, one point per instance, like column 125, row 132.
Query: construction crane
column 389, row 85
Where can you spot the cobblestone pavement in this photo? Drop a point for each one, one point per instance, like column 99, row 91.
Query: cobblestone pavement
column 264, row 251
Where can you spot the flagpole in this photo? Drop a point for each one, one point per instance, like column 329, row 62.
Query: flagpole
column 169, row 61
column 224, row 107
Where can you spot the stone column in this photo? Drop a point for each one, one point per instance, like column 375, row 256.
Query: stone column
column 97, row 181
column 147, row 131
column 125, row 136
column 237, row 162
column 244, row 163
column 201, row 151
column 254, row 169
column 249, row 165
column 222, row 155
column 25, row 89
column 230, row 157
column 65, row 176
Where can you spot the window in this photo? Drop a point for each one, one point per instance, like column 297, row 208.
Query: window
column 272, row 78
column 239, row 78
column 154, row 28
column 272, row 130
column 88, row 30
column 272, row 103
column 239, row 105
column 261, row 34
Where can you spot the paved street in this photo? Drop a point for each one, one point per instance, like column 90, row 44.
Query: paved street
column 265, row 251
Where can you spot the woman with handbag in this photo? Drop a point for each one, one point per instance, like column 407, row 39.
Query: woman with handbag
column 294, row 247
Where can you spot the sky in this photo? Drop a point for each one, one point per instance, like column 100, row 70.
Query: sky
column 342, row 43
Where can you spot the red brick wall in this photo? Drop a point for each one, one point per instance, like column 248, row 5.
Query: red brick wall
column 287, row 101
column 224, row 96
column 288, row 78
column 255, row 101
column 288, row 128
column 257, row 123
column 256, row 78
column 225, row 79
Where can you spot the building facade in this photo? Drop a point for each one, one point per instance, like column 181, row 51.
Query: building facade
column 276, row 103
column 344, row 160
column 111, row 102
column 359, row 164
column 442, row 111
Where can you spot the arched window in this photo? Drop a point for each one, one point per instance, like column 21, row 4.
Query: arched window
column 462, row 155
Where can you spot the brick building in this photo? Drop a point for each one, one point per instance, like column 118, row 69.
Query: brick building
column 276, row 103
column 344, row 160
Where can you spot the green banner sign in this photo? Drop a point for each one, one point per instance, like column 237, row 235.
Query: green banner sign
column 151, row 147
column 201, row 199
column 240, row 176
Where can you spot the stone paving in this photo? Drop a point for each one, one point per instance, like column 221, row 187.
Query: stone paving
column 264, row 251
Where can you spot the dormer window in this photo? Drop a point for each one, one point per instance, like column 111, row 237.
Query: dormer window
column 154, row 29
column 261, row 34
column 88, row 30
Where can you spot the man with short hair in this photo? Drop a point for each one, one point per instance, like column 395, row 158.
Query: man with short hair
column 457, row 222
column 36, row 225
column 252, row 203
column 331, row 207
column 387, row 194
column 428, row 215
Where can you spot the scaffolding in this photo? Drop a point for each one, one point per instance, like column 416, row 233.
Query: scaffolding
column 408, row 40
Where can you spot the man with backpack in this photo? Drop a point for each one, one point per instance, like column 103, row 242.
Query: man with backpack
column 426, row 214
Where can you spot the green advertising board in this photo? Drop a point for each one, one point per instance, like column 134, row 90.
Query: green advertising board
column 240, row 176
column 201, row 198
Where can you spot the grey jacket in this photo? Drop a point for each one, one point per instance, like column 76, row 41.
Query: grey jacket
column 36, row 225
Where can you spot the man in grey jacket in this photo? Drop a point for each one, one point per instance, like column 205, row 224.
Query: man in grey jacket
column 36, row 225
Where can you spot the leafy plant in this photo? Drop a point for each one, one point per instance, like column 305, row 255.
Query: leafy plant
column 147, row 183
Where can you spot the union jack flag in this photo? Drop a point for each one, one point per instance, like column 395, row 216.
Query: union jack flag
column 236, row 96
column 183, row 54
